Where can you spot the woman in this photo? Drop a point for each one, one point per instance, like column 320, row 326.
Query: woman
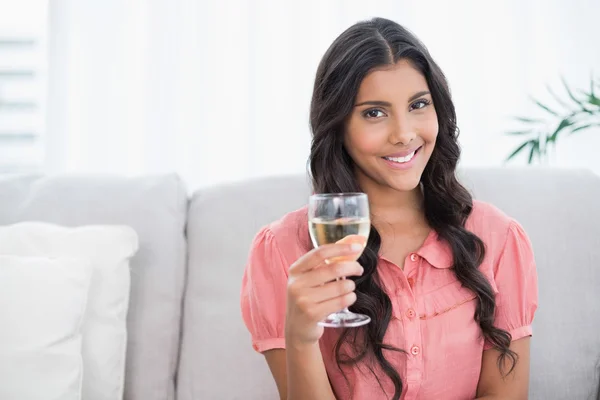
column 449, row 283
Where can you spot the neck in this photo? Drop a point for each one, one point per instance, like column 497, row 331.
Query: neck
column 403, row 209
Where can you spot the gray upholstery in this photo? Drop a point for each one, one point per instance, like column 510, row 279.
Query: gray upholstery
column 559, row 209
column 215, row 348
column 156, row 207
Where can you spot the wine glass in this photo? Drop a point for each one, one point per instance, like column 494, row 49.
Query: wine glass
column 340, row 218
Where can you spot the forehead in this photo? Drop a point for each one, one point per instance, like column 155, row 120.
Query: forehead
column 399, row 82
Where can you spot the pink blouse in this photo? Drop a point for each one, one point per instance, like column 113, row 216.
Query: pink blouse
column 432, row 314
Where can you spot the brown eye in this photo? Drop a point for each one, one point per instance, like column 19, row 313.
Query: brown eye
column 419, row 104
column 373, row 113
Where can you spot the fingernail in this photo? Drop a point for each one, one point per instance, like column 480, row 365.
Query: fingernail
column 356, row 247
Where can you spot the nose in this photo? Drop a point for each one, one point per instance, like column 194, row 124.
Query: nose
column 402, row 132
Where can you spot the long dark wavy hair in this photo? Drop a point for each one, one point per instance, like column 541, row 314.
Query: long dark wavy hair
column 447, row 204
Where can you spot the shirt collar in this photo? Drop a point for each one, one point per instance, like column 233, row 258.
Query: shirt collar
column 436, row 251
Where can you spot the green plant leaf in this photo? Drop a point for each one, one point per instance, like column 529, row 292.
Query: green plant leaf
column 572, row 96
column 592, row 99
column 547, row 143
column 535, row 149
column 548, row 109
column 514, row 133
column 529, row 120
column 558, row 99
column 569, row 92
column 565, row 123
column 518, row 150
column 579, row 128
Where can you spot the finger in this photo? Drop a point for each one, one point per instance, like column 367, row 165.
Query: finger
column 316, row 257
column 328, row 273
column 333, row 305
column 331, row 290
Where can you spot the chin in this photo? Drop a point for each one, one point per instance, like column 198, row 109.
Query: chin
column 406, row 184
column 406, row 187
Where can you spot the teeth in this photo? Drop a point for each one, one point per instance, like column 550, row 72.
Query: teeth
column 401, row 159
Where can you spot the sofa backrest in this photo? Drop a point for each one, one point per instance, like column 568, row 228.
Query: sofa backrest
column 560, row 210
column 156, row 207
column 216, row 362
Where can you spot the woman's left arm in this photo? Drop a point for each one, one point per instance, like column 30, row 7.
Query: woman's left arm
column 514, row 386
column 515, row 278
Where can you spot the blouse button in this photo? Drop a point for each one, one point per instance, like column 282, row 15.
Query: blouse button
column 411, row 282
column 410, row 313
column 415, row 350
column 413, row 257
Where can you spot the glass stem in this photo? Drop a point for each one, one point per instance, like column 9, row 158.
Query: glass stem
column 345, row 310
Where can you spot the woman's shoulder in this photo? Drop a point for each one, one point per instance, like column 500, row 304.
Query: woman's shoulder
column 486, row 213
column 491, row 224
column 289, row 225
column 289, row 233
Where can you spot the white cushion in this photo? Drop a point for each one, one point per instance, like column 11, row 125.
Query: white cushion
column 109, row 249
column 42, row 306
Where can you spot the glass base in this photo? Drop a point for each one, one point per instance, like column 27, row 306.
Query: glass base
column 344, row 319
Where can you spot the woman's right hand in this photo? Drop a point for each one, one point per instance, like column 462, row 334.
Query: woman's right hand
column 313, row 292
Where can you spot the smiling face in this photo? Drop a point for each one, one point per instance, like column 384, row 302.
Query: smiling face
column 392, row 130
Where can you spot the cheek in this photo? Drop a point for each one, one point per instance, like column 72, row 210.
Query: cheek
column 366, row 140
column 429, row 135
column 431, row 128
column 365, row 144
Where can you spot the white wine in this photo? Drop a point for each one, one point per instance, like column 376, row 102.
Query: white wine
column 332, row 231
column 340, row 218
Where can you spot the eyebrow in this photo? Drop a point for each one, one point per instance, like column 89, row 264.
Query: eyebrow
column 387, row 104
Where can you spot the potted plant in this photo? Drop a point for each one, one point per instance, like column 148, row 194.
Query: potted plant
column 577, row 112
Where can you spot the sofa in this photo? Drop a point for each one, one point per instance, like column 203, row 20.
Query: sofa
column 186, row 339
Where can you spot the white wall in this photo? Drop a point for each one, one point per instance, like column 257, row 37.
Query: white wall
column 220, row 90
column 496, row 54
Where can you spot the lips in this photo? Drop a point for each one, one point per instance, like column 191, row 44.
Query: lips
column 404, row 153
column 402, row 157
